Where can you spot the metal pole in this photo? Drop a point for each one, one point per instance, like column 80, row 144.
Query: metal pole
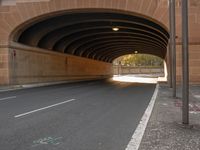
column 169, row 66
column 170, row 46
column 185, row 64
column 118, row 69
column 173, row 44
column 173, row 5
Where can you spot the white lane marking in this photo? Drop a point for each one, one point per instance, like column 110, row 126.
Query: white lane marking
column 136, row 139
column 5, row 98
column 33, row 111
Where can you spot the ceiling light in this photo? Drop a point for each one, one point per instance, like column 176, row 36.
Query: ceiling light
column 115, row 29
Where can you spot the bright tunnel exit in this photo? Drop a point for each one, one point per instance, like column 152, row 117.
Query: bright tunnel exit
column 139, row 68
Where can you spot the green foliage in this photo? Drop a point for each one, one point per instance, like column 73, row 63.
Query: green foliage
column 139, row 60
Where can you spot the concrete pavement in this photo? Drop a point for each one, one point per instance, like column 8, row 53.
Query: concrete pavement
column 95, row 115
column 165, row 130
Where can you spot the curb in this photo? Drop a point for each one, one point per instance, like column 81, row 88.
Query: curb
column 26, row 86
column 136, row 139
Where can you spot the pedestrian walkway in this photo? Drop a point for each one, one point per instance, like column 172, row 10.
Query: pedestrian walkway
column 165, row 130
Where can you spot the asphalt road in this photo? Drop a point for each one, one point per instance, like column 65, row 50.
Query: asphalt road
column 95, row 115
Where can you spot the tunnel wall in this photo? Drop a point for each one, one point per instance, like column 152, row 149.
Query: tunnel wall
column 32, row 65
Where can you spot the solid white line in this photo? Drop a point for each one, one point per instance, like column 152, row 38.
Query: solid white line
column 33, row 111
column 139, row 132
column 5, row 98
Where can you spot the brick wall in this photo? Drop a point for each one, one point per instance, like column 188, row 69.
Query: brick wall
column 194, row 63
column 4, row 69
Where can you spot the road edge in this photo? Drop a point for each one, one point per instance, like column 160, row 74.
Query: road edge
column 136, row 139
column 35, row 85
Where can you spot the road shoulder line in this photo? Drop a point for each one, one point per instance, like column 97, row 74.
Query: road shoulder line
column 136, row 139
column 7, row 98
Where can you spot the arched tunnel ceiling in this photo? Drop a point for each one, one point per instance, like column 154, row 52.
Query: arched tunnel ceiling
column 88, row 33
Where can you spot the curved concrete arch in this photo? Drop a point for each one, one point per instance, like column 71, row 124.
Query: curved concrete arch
column 24, row 14
column 74, row 45
column 62, row 35
column 101, row 33
column 78, row 31
column 97, row 35
column 99, row 52
column 54, row 23
column 27, row 22
column 70, row 44
column 102, row 45
column 58, row 34
column 93, row 43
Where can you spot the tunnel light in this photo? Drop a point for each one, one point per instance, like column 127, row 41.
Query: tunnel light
column 115, row 29
column 136, row 52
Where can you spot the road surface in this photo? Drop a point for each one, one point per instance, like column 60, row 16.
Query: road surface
column 93, row 115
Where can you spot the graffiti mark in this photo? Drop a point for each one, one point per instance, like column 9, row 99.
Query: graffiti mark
column 46, row 141
column 193, row 107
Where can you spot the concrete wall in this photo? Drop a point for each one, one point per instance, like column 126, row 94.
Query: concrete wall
column 33, row 65
column 137, row 70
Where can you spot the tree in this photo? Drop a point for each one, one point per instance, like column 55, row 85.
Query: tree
column 144, row 60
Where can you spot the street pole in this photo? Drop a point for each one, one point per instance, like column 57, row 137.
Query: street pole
column 172, row 14
column 185, row 64
column 170, row 46
column 169, row 66
column 118, row 68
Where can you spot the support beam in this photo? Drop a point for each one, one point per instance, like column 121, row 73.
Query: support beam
column 173, row 43
column 185, row 63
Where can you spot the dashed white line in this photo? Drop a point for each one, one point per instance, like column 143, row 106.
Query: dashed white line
column 136, row 139
column 6, row 98
column 33, row 111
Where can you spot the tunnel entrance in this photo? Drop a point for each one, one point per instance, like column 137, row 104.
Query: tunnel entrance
column 81, row 44
column 99, row 34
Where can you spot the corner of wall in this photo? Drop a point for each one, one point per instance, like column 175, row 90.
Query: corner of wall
column 4, row 66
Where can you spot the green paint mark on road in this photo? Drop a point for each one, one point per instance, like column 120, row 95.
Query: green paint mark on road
column 47, row 141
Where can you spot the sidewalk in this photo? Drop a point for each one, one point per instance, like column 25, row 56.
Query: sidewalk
column 165, row 130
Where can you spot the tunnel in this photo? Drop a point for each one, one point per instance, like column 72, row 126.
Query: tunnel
column 90, row 33
column 57, row 40
column 80, row 44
